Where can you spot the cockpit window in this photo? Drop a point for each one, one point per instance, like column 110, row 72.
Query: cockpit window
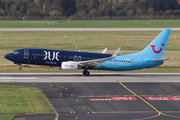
column 15, row 52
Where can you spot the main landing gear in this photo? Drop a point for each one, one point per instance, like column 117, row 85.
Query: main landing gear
column 86, row 73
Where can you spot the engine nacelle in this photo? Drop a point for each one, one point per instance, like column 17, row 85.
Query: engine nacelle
column 69, row 66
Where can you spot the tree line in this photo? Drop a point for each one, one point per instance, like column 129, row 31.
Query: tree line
column 89, row 8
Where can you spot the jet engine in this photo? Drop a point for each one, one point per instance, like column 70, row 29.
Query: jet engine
column 69, row 66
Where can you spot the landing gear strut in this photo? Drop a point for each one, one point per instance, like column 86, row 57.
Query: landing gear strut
column 86, row 73
column 20, row 68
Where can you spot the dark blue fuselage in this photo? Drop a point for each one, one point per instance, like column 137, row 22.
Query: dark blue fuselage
column 56, row 57
column 50, row 57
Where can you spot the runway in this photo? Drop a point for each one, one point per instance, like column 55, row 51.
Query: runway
column 94, row 77
column 86, row 29
column 105, row 96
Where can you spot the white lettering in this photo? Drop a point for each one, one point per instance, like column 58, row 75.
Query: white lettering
column 57, row 56
column 48, row 55
column 45, row 55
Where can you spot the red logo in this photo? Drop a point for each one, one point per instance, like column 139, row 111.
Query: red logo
column 114, row 98
column 153, row 46
column 163, row 98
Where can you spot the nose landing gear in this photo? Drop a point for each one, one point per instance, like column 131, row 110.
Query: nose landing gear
column 20, row 68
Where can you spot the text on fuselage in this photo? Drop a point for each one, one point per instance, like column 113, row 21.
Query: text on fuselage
column 48, row 55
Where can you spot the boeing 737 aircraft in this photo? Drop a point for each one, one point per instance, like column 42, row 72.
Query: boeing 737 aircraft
column 73, row 60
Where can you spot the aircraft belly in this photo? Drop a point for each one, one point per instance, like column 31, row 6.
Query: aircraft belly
column 20, row 60
column 115, row 66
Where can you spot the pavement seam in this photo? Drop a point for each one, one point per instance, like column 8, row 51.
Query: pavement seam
column 82, row 97
column 57, row 115
column 97, row 94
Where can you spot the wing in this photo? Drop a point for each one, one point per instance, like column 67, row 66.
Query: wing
column 97, row 62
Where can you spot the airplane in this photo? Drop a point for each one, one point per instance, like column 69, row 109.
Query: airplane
column 73, row 60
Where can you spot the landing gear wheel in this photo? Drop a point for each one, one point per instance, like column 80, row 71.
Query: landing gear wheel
column 20, row 68
column 86, row 73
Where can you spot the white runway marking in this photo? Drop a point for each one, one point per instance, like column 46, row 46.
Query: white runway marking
column 18, row 78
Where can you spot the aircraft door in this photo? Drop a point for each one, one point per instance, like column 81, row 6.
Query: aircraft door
column 26, row 53
column 139, row 62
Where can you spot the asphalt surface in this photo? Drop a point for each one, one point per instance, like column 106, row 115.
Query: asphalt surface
column 77, row 91
column 86, row 29
column 35, row 117
column 94, row 77
column 75, row 102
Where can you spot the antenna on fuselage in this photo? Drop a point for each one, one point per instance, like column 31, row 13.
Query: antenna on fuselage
column 76, row 48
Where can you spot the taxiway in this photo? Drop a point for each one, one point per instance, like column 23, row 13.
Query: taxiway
column 105, row 96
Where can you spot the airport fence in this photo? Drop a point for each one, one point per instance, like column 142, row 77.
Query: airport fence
column 90, row 18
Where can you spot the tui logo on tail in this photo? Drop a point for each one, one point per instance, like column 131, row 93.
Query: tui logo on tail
column 153, row 46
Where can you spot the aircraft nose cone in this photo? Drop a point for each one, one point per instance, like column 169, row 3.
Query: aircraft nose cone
column 7, row 56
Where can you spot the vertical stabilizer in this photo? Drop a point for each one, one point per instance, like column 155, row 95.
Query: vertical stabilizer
column 156, row 48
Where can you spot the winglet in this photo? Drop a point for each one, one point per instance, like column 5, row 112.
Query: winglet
column 104, row 51
column 116, row 53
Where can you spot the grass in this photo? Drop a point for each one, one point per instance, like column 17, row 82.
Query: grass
column 89, row 24
column 20, row 100
column 129, row 42
column 6, row 117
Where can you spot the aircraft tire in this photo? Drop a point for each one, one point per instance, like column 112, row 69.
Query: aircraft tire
column 20, row 68
column 87, row 73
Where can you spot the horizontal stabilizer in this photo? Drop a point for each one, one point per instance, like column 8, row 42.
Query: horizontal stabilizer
column 159, row 60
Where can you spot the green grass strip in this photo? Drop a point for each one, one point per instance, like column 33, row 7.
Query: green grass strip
column 6, row 117
column 89, row 23
column 20, row 100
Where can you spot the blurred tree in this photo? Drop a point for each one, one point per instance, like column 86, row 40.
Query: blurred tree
column 151, row 11
column 89, row 7
column 67, row 6
column 33, row 12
